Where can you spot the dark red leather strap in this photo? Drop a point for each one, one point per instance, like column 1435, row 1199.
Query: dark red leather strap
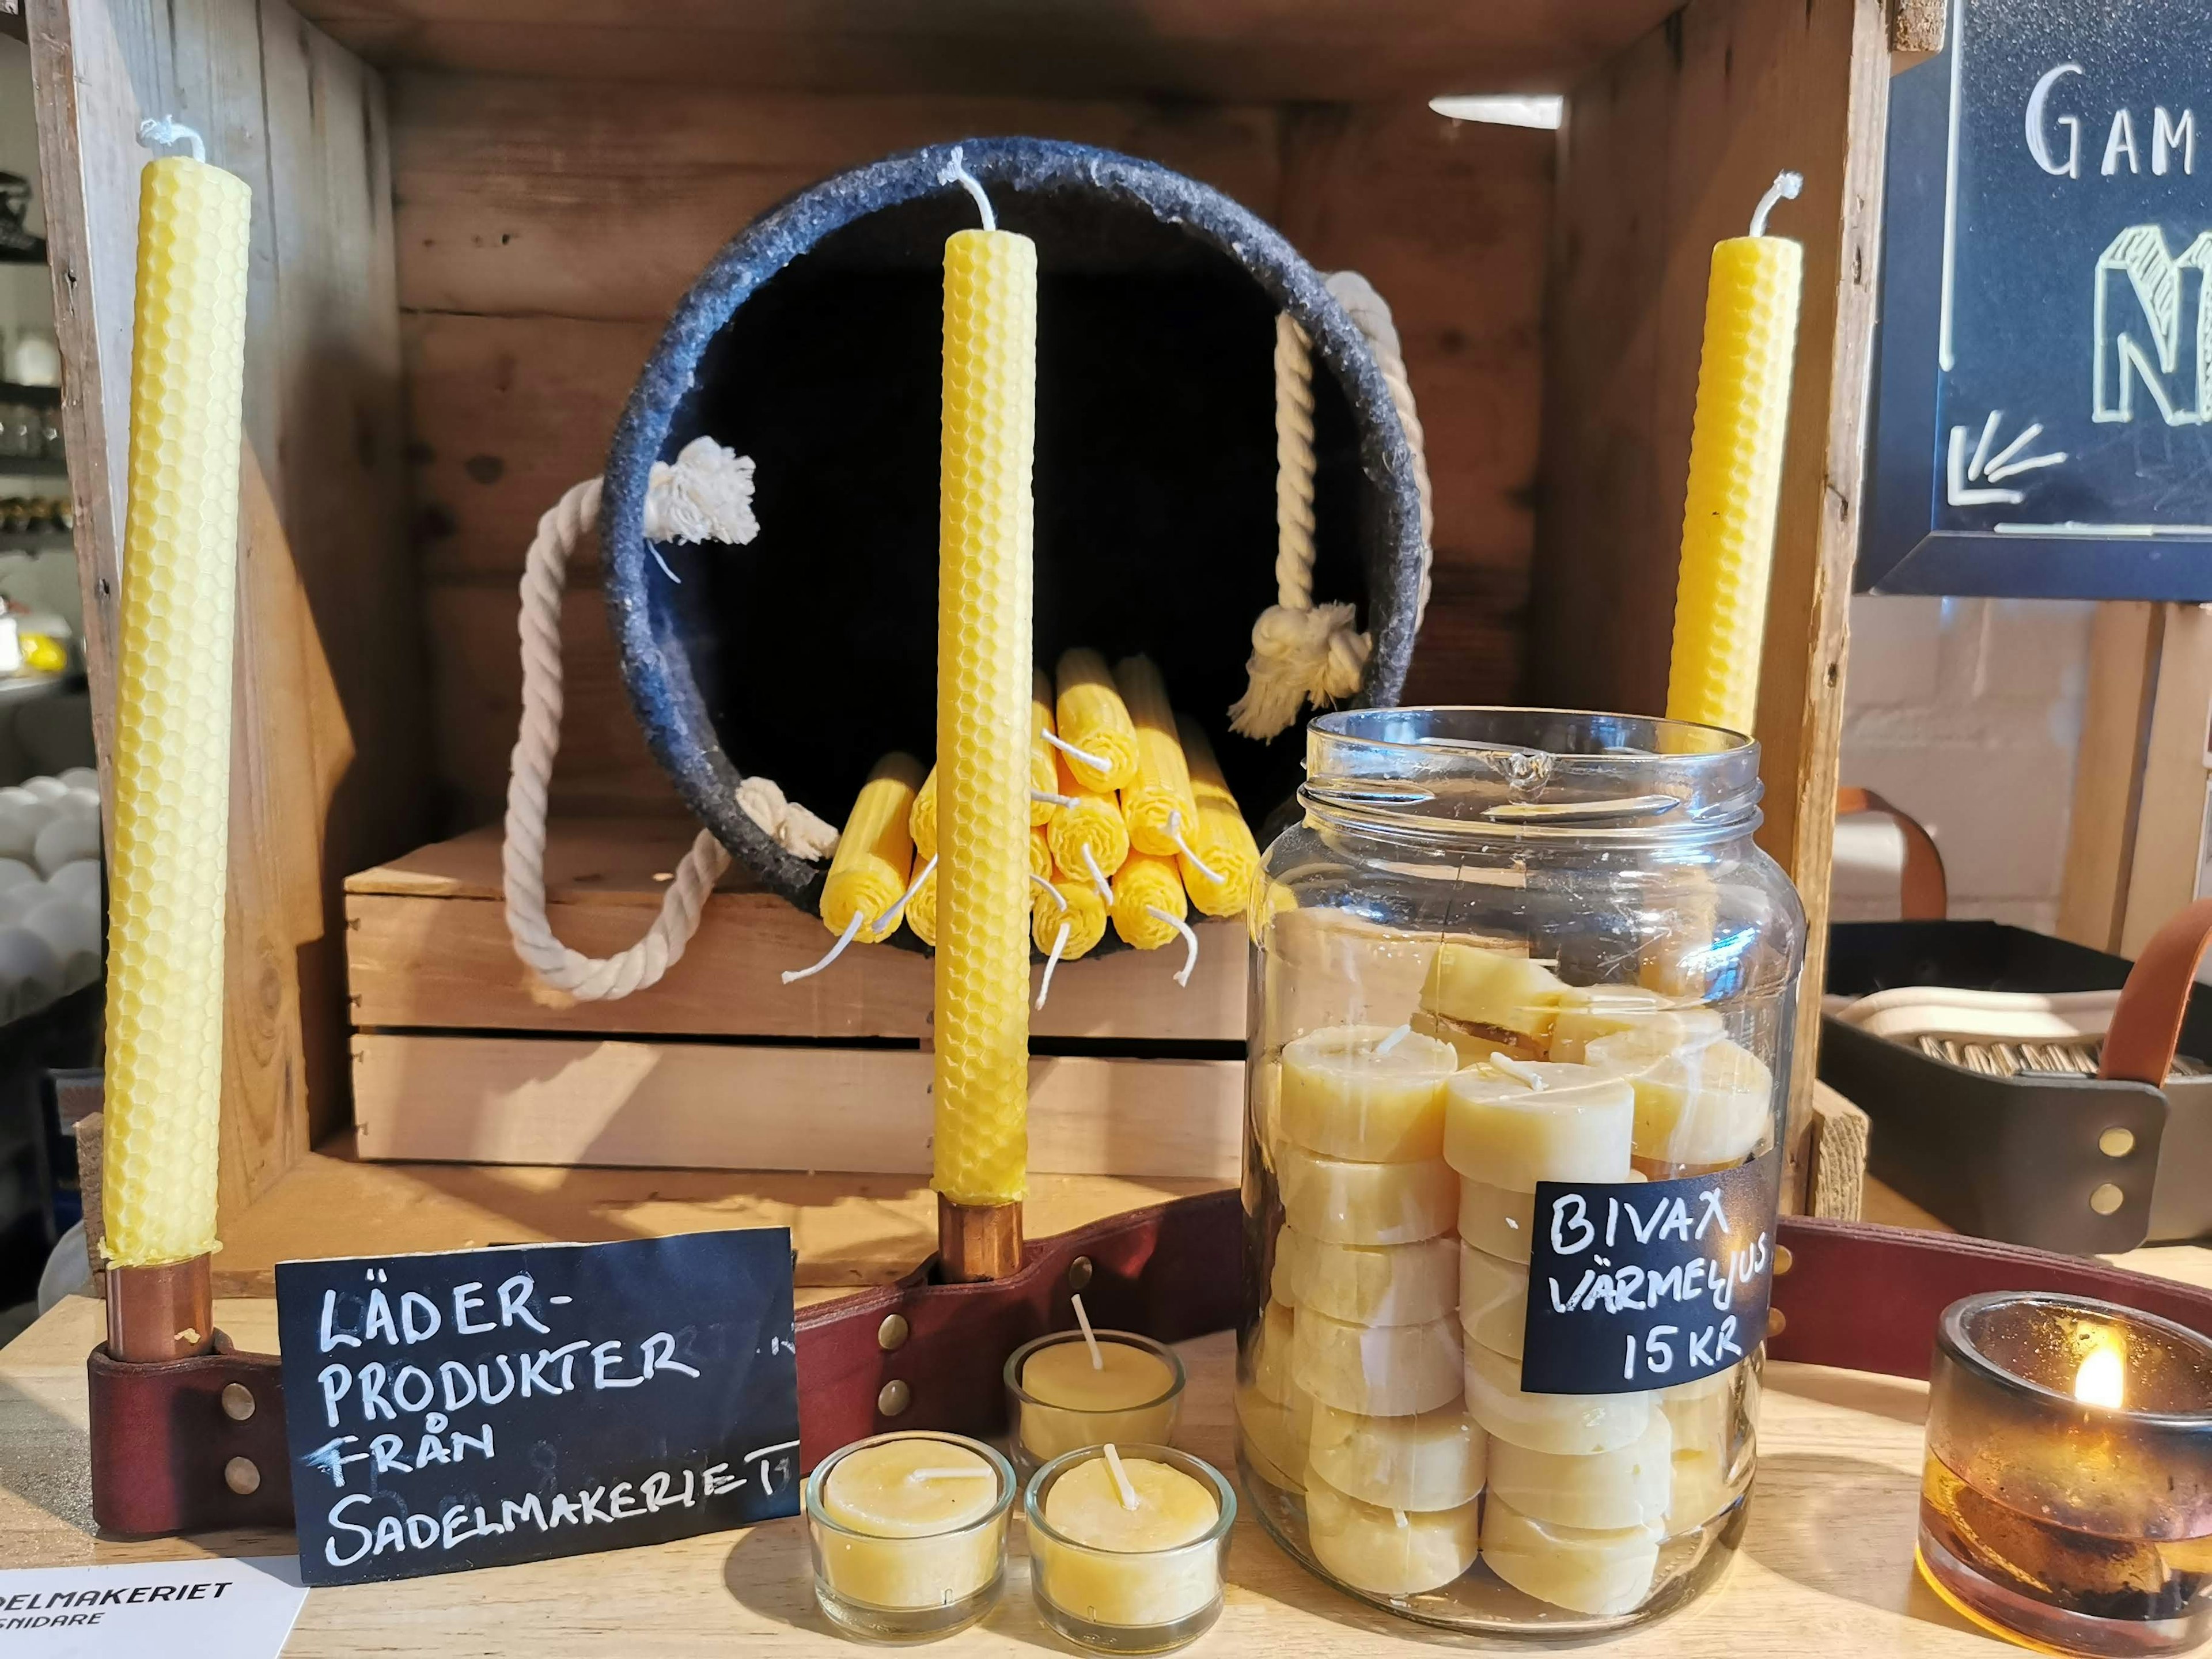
column 1867, row 1299
column 161, row 1441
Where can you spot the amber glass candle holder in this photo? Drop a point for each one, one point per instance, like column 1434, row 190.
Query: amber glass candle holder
column 2067, row 1498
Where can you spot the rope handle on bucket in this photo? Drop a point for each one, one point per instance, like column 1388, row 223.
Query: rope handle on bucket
column 705, row 495
column 1301, row 652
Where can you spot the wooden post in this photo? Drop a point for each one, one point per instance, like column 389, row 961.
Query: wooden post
column 978, row 1241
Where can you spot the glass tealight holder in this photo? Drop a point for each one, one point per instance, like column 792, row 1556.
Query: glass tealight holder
column 1135, row 1397
column 895, row 1586
column 1124, row 1601
column 2066, row 1501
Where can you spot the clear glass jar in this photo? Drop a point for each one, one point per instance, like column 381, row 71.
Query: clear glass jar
column 1504, row 947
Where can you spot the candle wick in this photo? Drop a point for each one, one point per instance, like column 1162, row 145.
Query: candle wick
column 1090, row 1336
column 792, row 975
column 1189, row 938
column 1174, row 834
column 1121, row 1476
column 947, row 1474
column 956, row 173
column 1784, row 189
column 1051, row 891
column 1050, row 799
column 1394, row 1039
column 169, row 130
column 1095, row 762
column 1098, row 876
column 889, row 919
column 1051, row 962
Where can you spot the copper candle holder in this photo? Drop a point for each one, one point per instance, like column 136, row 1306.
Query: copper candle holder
column 2067, row 1498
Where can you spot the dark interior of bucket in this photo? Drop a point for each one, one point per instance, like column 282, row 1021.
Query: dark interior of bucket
column 815, row 647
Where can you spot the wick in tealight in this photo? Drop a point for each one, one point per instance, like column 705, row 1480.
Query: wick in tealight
column 1518, row 1068
column 1174, row 834
column 155, row 134
column 1097, row 763
column 792, row 975
column 1090, row 1336
column 956, row 173
column 1121, row 1476
column 1189, row 938
column 1399, row 1516
column 1051, row 800
column 1051, row 962
column 1099, row 877
column 1784, row 189
column 949, row 1474
column 1394, row 1039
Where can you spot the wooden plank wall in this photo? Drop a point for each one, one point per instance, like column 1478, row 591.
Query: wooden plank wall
column 328, row 734
column 1665, row 151
column 546, row 228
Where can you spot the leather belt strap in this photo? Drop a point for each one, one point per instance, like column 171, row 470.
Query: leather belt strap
column 2146, row 1026
column 1856, row 1296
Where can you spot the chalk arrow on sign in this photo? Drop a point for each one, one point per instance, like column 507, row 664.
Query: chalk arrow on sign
column 1963, row 485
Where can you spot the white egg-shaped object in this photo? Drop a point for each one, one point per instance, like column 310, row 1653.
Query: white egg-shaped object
column 46, row 788
column 81, row 777
column 66, row 840
column 14, row 872
column 81, row 803
column 30, row 971
column 78, row 879
column 74, row 933
column 17, row 903
column 18, row 830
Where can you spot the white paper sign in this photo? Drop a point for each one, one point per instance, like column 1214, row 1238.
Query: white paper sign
column 213, row 1609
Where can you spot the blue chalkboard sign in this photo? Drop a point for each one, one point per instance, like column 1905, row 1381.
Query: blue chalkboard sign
column 2043, row 378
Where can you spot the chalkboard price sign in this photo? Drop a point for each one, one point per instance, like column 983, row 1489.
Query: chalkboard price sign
column 485, row 1406
column 1637, row 1285
column 2043, row 417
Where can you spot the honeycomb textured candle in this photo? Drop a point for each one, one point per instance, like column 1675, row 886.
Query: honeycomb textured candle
column 984, row 687
column 171, row 766
column 1735, row 480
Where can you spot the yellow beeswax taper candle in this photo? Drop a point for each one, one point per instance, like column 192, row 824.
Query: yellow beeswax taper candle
column 1222, row 840
column 1087, row 830
column 1735, row 473
column 1157, row 802
column 875, row 855
column 171, row 756
column 985, row 683
column 1044, row 776
column 1093, row 719
column 921, row 818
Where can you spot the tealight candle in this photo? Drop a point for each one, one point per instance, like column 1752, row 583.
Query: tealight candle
column 1573, row 1425
column 1390, row 1551
column 2067, row 1497
column 1628, row 1486
column 1490, row 993
column 1126, row 1546
column 1601, row 1572
column 1712, row 1422
column 1274, row 1413
column 1372, row 1284
column 1340, row 1202
column 908, row 1534
column 1379, row 1370
column 1430, row 1461
column 1366, row 1093
column 1066, row 1391
column 1587, row 1012
column 1699, row 1107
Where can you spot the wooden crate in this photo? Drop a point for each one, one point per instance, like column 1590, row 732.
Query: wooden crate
column 472, row 215
column 460, row 1053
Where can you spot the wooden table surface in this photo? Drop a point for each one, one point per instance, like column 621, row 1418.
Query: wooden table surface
column 1825, row 1566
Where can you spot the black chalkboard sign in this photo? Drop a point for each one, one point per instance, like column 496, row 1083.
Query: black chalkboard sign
column 2044, row 411
column 1644, row 1284
column 485, row 1406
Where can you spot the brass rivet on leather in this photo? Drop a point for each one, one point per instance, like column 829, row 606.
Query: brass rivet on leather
column 894, row 1398
column 891, row 1335
column 2116, row 1142
column 1777, row 1321
column 1079, row 1272
column 237, row 1401
column 1784, row 1261
column 241, row 1476
column 2106, row 1198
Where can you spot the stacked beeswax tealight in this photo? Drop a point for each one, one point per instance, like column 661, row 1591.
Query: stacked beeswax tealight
column 1394, row 1463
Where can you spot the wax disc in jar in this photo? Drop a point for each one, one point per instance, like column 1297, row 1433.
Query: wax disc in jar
column 1380, row 1371
column 1471, row 1045
column 1601, row 1573
column 1365, row 1092
column 1341, row 1202
column 1502, row 1224
column 1430, row 1461
column 1706, row 1106
column 1493, row 1301
column 1492, row 990
column 1571, row 1424
column 1513, row 1123
column 1276, row 1433
column 1588, row 1012
column 1390, row 1551
column 1376, row 1284
column 1266, row 1359
column 1630, row 1486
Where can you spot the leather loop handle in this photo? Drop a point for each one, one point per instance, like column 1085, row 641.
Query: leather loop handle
column 2146, row 1028
column 1922, row 891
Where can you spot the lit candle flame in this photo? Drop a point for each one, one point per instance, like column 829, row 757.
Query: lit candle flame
column 2103, row 1378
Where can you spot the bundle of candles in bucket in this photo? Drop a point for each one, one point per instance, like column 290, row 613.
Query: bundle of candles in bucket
column 1130, row 825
